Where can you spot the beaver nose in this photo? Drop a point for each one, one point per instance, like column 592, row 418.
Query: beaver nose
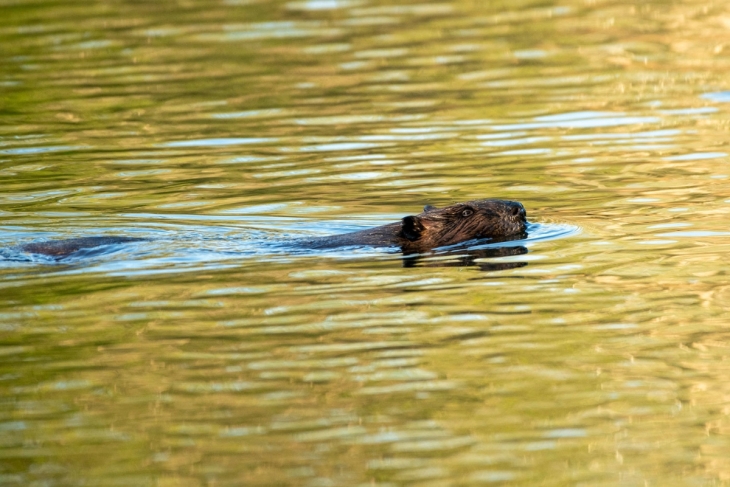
column 519, row 211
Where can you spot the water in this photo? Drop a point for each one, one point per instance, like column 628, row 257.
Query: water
column 215, row 354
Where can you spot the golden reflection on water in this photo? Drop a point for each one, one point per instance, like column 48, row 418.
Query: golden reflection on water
column 216, row 355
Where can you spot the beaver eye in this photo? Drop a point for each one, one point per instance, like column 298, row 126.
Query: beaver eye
column 467, row 212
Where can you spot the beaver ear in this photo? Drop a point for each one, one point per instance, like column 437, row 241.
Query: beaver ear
column 428, row 208
column 411, row 227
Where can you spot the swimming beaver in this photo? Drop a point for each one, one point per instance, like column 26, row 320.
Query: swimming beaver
column 438, row 227
column 435, row 227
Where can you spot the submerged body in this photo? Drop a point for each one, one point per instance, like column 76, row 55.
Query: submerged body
column 62, row 248
column 435, row 227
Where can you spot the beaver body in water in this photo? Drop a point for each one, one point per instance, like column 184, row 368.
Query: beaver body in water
column 62, row 248
column 437, row 227
column 434, row 227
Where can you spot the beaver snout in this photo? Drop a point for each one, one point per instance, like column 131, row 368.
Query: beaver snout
column 518, row 210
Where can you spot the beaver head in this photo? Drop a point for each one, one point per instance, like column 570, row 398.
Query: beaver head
column 437, row 227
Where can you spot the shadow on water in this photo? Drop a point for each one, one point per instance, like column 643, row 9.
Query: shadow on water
column 502, row 252
column 470, row 257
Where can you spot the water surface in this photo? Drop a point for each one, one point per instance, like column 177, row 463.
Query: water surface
column 215, row 355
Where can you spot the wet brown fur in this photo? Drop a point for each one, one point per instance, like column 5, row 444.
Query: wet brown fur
column 438, row 227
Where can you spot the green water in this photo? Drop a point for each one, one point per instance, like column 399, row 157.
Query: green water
column 215, row 355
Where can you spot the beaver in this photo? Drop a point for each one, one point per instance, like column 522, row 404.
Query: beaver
column 438, row 227
column 434, row 227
